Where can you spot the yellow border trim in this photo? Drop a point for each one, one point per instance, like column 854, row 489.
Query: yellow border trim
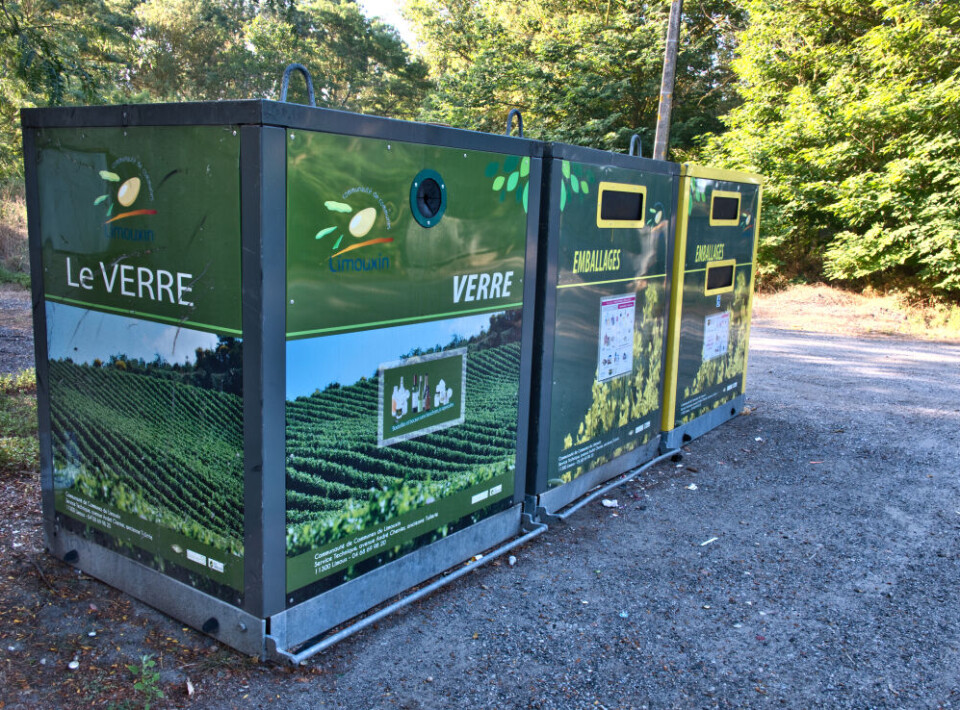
column 699, row 171
column 719, row 264
column 669, row 409
column 753, row 286
column 621, row 187
column 725, row 222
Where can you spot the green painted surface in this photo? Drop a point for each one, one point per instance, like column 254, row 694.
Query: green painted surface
column 140, row 232
column 372, row 294
column 378, row 265
column 143, row 221
column 707, row 377
column 601, row 408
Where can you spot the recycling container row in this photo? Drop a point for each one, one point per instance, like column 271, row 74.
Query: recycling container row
column 292, row 362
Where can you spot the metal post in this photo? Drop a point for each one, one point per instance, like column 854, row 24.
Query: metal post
column 666, row 85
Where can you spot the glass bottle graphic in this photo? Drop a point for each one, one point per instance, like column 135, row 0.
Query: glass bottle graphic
column 415, row 407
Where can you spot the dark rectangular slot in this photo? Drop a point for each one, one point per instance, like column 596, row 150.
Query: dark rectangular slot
column 726, row 208
column 719, row 277
column 619, row 206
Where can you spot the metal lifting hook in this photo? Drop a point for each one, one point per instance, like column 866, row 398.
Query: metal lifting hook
column 286, row 83
column 515, row 112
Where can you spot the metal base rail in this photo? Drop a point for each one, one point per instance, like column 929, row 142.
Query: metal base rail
column 298, row 658
column 559, row 516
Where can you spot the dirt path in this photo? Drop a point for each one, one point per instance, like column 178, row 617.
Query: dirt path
column 817, row 564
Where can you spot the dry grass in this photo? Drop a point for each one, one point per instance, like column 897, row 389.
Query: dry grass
column 826, row 309
column 14, row 254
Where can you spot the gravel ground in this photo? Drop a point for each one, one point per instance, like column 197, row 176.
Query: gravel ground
column 832, row 579
column 815, row 564
column 16, row 334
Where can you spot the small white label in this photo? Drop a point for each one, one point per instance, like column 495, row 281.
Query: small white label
column 645, row 425
column 215, row 565
column 482, row 495
column 196, row 557
column 496, row 489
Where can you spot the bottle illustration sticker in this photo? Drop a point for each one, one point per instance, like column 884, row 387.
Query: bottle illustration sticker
column 420, row 395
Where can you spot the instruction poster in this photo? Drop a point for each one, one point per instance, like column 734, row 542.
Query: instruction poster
column 716, row 335
column 431, row 398
column 617, row 316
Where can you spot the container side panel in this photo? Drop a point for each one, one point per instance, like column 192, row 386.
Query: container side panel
column 610, row 315
column 405, row 283
column 140, row 237
column 714, row 322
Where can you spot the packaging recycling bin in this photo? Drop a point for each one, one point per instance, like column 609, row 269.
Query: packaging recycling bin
column 714, row 271
column 606, row 233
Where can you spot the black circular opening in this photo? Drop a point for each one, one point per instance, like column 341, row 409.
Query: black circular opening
column 429, row 197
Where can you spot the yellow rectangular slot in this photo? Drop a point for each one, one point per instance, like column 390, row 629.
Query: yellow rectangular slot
column 725, row 211
column 617, row 205
column 722, row 273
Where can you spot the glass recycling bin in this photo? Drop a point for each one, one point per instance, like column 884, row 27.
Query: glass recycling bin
column 283, row 354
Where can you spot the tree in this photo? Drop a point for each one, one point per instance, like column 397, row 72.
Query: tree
column 59, row 52
column 583, row 72
column 850, row 110
column 216, row 49
column 52, row 53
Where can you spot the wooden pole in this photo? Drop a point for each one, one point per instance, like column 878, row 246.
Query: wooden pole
column 662, row 139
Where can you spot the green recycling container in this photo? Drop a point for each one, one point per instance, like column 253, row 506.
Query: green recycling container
column 283, row 354
column 714, row 272
column 607, row 228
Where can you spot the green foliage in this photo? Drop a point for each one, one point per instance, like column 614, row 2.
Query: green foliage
column 19, row 448
column 721, row 369
column 850, row 111
column 14, row 252
column 14, row 277
column 617, row 402
column 582, row 72
column 146, row 681
column 217, row 49
column 55, row 52
column 61, row 52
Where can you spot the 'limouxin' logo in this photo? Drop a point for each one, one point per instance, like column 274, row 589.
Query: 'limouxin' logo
column 127, row 185
column 359, row 223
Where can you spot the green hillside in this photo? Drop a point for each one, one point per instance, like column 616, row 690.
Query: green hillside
column 339, row 481
column 154, row 447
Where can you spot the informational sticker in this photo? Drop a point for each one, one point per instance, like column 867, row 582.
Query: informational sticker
column 617, row 316
column 421, row 395
column 716, row 335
